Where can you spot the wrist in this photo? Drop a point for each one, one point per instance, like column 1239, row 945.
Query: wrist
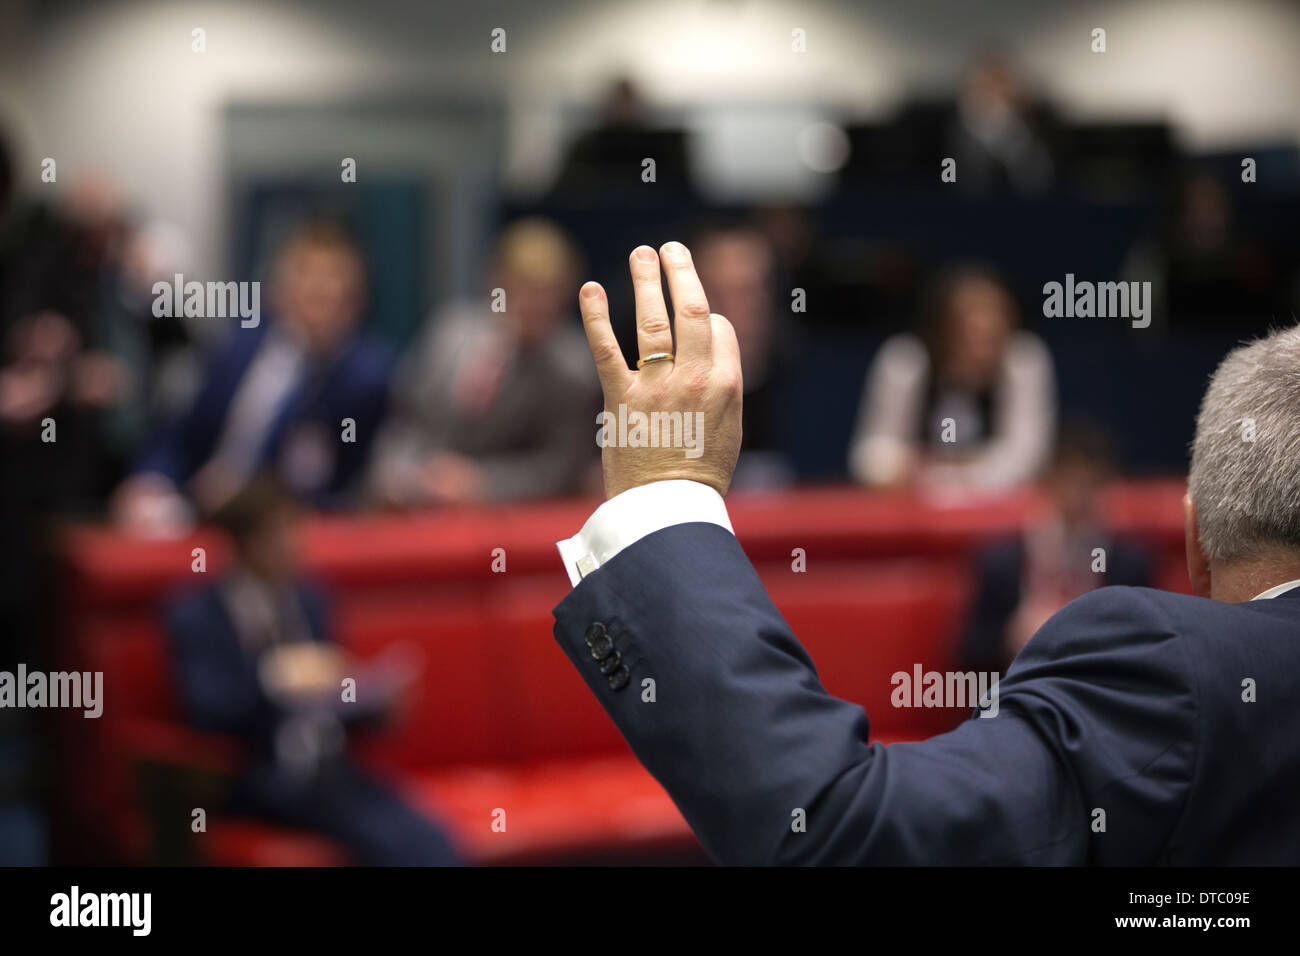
column 635, row 513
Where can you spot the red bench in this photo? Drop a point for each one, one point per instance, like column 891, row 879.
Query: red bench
column 501, row 721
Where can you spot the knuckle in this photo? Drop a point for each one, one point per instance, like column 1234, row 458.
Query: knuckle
column 695, row 309
column 655, row 323
column 696, row 384
column 730, row 382
column 607, row 353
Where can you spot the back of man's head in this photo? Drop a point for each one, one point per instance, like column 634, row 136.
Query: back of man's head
column 1245, row 475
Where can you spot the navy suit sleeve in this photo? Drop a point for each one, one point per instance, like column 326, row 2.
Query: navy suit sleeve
column 358, row 390
column 724, row 707
column 171, row 450
column 181, row 446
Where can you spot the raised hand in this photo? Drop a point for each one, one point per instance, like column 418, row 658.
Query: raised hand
column 678, row 414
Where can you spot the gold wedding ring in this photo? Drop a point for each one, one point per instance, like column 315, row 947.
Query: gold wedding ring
column 654, row 357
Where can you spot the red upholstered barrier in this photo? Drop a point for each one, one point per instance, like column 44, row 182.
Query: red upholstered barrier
column 499, row 720
column 864, row 622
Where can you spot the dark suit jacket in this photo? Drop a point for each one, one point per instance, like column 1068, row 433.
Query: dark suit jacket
column 220, row 689
column 1128, row 701
column 221, row 692
column 352, row 384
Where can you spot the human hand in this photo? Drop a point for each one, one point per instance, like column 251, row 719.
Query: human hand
column 303, row 669
column 688, row 406
column 452, row 479
column 149, row 505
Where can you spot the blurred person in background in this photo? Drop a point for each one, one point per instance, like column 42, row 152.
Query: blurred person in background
column 737, row 264
column 77, row 361
column 26, row 392
column 301, row 393
column 81, row 343
column 1204, row 269
column 159, row 350
column 255, row 657
column 496, row 403
column 846, row 277
column 969, row 404
column 67, row 393
column 608, row 157
column 1023, row 581
column 998, row 135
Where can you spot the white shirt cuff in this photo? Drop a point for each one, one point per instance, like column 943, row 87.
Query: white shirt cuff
column 628, row 517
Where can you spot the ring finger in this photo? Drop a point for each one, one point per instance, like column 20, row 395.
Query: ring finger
column 654, row 333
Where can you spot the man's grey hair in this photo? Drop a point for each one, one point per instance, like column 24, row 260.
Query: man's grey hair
column 1245, row 476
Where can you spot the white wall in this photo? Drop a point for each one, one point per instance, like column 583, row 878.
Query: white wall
column 116, row 85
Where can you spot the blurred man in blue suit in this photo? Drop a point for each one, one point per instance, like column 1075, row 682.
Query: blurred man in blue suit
column 255, row 658
column 301, row 394
column 1136, row 727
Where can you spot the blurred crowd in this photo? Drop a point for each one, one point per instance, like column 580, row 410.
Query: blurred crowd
column 159, row 419
column 110, row 410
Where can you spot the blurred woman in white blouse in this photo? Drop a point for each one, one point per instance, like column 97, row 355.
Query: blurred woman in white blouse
column 967, row 404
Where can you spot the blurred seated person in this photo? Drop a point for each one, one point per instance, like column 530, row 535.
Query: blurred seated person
column 608, row 156
column 496, row 405
column 1023, row 581
column 998, row 135
column 1208, row 274
column 968, row 405
column 845, row 276
column 276, row 396
column 254, row 657
column 736, row 264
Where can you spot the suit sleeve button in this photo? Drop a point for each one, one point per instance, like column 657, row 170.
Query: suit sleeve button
column 594, row 633
column 618, row 680
column 602, row 647
column 608, row 665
